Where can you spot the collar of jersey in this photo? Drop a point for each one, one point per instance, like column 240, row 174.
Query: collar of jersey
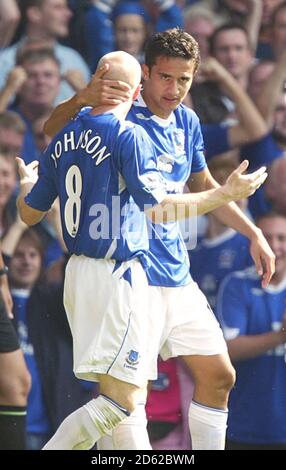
column 228, row 234
column 23, row 293
column 139, row 102
column 275, row 289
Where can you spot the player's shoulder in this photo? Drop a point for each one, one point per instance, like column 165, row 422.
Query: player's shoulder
column 131, row 130
column 104, row 121
column 83, row 112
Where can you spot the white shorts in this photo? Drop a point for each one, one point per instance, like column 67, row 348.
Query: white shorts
column 110, row 320
column 190, row 326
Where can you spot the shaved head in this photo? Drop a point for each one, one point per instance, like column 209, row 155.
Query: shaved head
column 122, row 66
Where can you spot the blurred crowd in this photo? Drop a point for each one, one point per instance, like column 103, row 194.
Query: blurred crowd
column 49, row 51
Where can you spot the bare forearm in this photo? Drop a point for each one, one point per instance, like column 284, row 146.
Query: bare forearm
column 28, row 215
column 248, row 347
column 232, row 216
column 183, row 206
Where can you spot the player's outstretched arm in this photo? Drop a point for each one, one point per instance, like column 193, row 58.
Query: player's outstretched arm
column 263, row 257
column 232, row 216
column 180, row 206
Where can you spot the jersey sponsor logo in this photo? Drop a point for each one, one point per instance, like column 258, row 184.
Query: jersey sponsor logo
column 179, row 138
column 165, row 163
column 152, row 181
column 175, row 187
column 141, row 116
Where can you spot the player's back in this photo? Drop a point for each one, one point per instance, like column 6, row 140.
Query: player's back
column 97, row 210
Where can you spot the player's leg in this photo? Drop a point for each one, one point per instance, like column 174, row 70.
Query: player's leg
column 196, row 336
column 130, row 434
column 113, row 337
column 82, row 429
column 14, row 388
column 213, row 378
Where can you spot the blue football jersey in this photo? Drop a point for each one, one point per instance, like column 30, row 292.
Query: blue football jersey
column 213, row 259
column 179, row 151
column 104, row 172
column 37, row 415
column 257, row 406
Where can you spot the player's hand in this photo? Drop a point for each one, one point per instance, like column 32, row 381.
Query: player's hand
column 28, row 173
column 101, row 91
column 239, row 185
column 263, row 257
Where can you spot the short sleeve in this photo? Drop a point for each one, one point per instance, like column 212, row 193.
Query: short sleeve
column 137, row 165
column 199, row 161
column 43, row 194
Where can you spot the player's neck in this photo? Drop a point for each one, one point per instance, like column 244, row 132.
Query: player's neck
column 120, row 111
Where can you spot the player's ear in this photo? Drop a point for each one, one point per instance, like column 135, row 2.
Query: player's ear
column 136, row 92
column 145, row 71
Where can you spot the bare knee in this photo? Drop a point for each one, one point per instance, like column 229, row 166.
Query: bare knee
column 214, row 377
column 220, row 378
column 224, row 378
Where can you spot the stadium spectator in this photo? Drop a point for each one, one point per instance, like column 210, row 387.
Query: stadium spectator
column 9, row 19
column 254, row 323
column 46, row 20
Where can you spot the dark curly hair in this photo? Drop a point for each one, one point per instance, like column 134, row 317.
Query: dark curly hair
column 172, row 43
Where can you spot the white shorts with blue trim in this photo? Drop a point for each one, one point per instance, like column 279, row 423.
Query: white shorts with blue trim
column 190, row 326
column 110, row 320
